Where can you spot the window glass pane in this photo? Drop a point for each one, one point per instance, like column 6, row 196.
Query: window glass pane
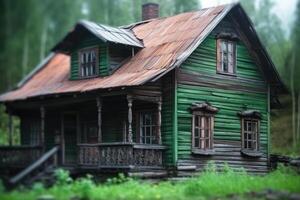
column 207, row 143
column 196, row 142
column 249, row 136
column 230, row 47
column 197, row 132
column 196, row 121
column 224, row 46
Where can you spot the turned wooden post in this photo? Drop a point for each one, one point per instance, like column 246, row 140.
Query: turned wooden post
column 10, row 129
column 42, row 139
column 129, row 99
column 99, row 106
column 159, row 121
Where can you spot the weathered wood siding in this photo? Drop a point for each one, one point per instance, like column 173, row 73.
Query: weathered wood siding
column 167, row 130
column 90, row 41
column 198, row 81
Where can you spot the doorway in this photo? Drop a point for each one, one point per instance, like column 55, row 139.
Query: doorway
column 69, row 135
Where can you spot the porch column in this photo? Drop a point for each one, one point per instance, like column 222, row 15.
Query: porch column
column 129, row 99
column 159, row 121
column 10, row 129
column 42, row 139
column 99, row 106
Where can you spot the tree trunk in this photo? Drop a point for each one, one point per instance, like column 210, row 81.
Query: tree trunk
column 25, row 56
column 293, row 100
column 298, row 121
column 44, row 41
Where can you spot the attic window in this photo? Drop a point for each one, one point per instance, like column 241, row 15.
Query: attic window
column 88, row 62
column 226, row 56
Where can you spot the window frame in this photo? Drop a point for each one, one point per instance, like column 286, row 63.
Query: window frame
column 210, row 129
column 219, row 52
column 153, row 127
column 80, row 65
column 257, row 134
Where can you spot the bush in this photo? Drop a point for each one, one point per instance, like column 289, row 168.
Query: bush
column 62, row 177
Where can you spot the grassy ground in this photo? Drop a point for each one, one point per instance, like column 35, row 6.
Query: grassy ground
column 208, row 185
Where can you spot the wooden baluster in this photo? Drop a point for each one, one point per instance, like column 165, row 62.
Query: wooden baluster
column 129, row 99
column 159, row 122
column 99, row 106
column 42, row 139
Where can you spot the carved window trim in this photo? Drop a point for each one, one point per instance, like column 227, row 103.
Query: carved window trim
column 226, row 56
column 88, row 62
column 203, row 115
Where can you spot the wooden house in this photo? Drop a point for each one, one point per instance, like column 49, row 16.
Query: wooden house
column 164, row 95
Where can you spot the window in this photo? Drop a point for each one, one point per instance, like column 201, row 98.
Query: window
column 88, row 62
column 90, row 131
column 202, row 131
column 250, row 134
column 148, row 128
column 226, row 56
column 202, row 127
column 250, row 130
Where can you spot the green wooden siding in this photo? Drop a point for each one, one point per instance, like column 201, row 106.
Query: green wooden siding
column 230, row 94
column 168, row 120
column 90, row 41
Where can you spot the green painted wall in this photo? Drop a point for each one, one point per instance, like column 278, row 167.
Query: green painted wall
column 230, row 94
column 90, row 41
column 167, row 128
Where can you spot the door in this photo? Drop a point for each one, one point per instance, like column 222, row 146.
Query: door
column 70, row 132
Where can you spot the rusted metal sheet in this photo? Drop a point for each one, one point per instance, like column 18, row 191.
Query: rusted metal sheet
column 112, row 34
column 165, row 40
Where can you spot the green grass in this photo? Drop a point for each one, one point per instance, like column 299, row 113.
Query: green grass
column 209, row 184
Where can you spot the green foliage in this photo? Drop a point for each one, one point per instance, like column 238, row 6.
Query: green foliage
column 62, row 177
column 209, row 184
column 121, row 178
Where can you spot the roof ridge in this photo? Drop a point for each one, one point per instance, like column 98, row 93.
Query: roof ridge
column 134, row 24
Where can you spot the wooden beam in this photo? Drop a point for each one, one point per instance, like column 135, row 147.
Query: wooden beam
column 129, row 99
column 99, row 106
column 42, row 139
column 159, row 121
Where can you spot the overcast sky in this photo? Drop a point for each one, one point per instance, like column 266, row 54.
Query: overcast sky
column 283, row 8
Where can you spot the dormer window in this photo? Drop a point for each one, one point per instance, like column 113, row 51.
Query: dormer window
column 226, row 56
column 88, row 62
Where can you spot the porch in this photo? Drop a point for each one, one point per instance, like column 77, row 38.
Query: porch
column 120, row 132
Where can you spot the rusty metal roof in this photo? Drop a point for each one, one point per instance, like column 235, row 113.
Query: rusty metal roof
column 105, row 33
column 167, row 43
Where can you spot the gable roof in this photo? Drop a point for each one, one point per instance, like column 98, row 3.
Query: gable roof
column 167, row 43
column 103, row 32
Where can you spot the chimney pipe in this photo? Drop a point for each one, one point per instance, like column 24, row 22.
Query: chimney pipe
column 150, row 11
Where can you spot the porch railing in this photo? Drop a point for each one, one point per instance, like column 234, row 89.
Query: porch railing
column 18, row 156
column 120, row 155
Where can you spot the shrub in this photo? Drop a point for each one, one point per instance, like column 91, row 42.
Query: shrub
column 121, row 178
column 62, row 177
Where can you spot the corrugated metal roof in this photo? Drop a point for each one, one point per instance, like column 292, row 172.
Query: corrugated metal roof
column 112, row 34
column 167, row 43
